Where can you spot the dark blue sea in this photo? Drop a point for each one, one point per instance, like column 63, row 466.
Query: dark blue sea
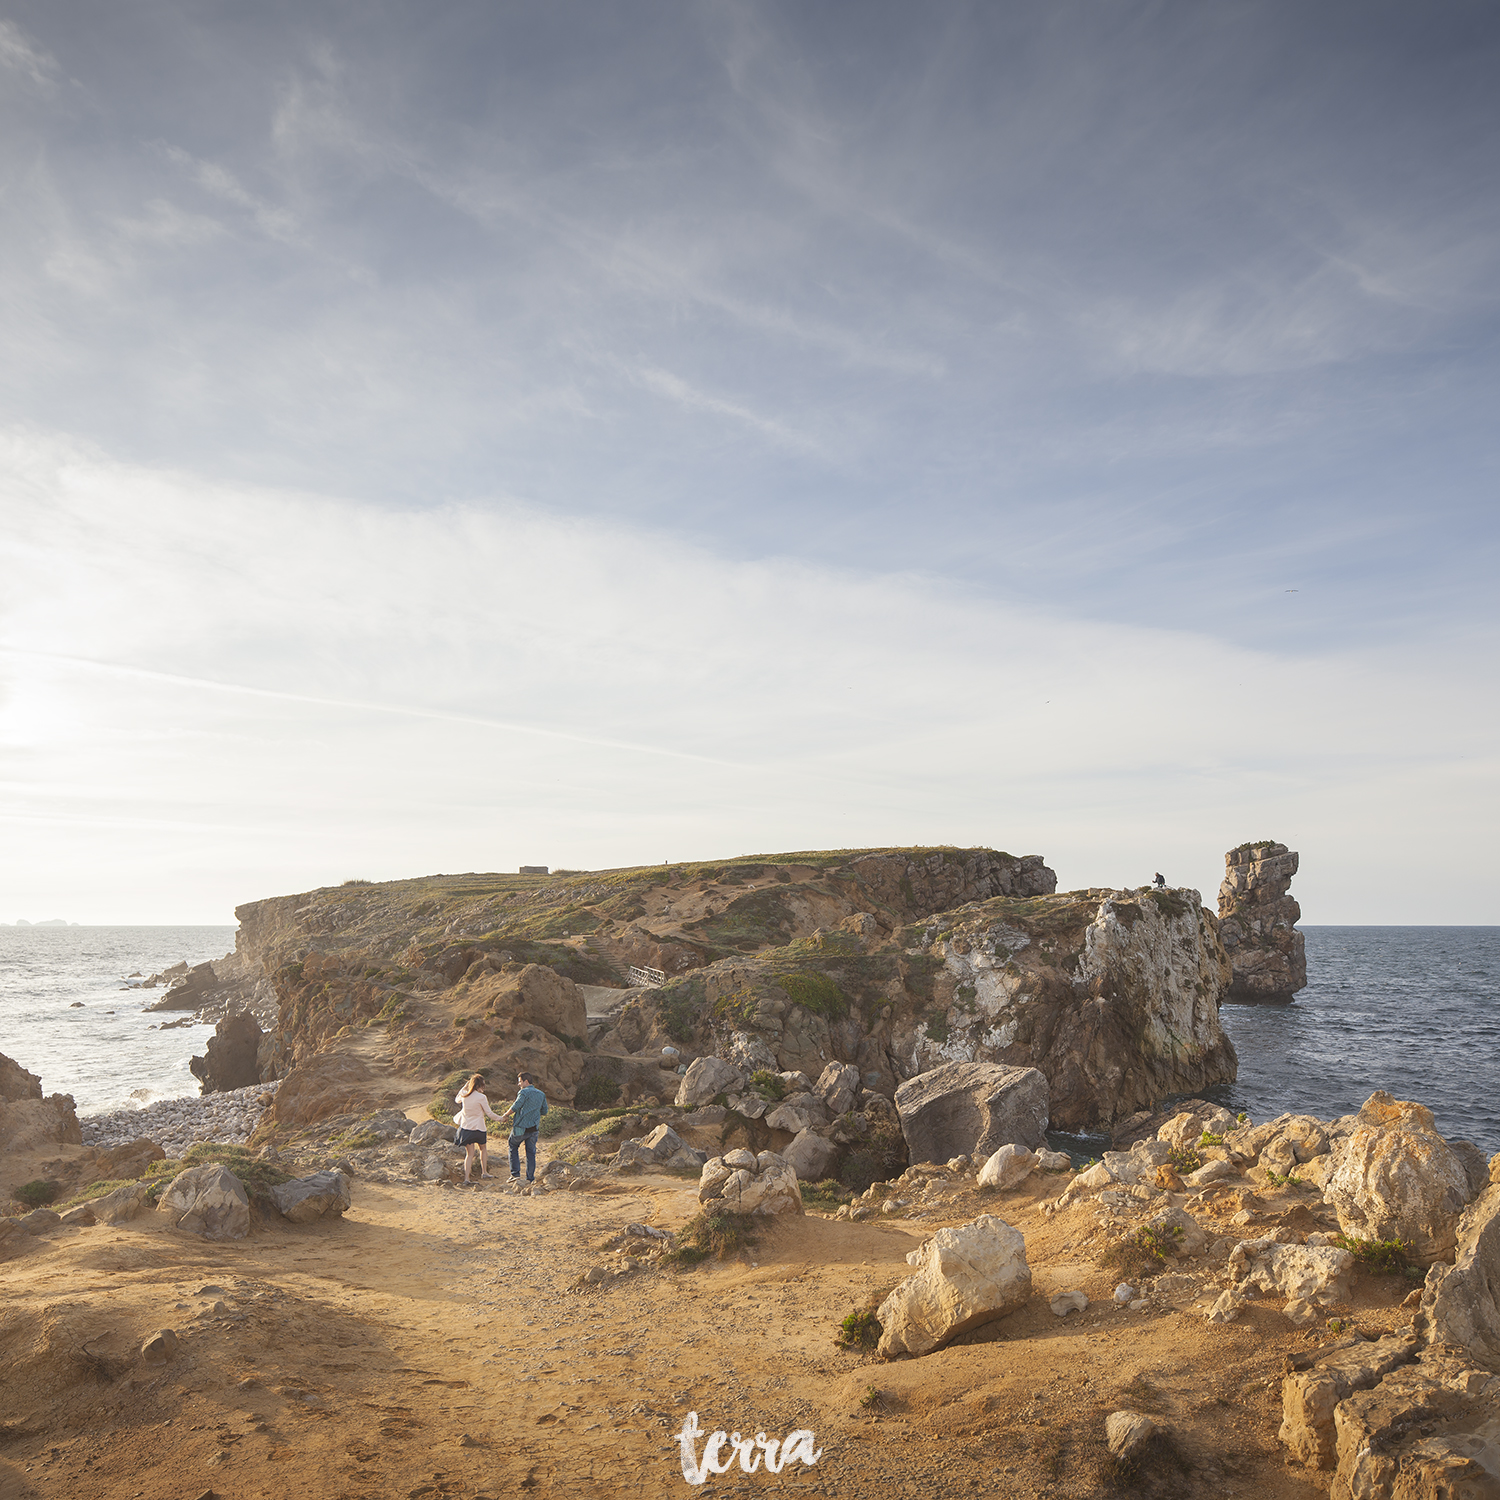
column 1412, row 1010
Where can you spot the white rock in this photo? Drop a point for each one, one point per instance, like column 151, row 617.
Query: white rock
column 1210, row 1171
column 705, row 1078
column 1065, row 1302
column 1399, row 1179
column 1010, row 1165
column 966, row 1276
column 1127, row 1433
column 208, row 1200
column 1313, row 1272
column 1124, row 1293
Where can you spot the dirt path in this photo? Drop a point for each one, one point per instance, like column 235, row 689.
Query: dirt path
column 430, row 1345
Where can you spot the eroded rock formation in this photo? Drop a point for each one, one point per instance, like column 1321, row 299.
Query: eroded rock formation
column 27, row 1119
column 1257, row 923
column 230, row 1059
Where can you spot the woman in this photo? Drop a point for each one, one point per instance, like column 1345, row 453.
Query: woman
column 472, row 1135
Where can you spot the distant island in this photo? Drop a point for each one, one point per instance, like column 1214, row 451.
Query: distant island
column 50, row 922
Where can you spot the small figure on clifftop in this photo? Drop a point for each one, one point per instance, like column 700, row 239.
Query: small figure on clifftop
column 527, row 1112
column 1160, row 882
column 472, row 1135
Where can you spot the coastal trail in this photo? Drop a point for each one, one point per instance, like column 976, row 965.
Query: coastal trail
column 440, row 1341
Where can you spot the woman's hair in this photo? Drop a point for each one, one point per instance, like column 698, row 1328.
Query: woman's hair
column 475, row 1082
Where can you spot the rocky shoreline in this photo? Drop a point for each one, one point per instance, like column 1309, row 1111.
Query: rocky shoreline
column 175, row 1124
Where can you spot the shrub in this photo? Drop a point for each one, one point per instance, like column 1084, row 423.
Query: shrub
column 1185, row 1159
column 859, row 1330
column 770, row 1086
column 714, row 1232
column 599, row 1092
column 878, row 1158
column 558, row 1120
column 816, row 993
column 1390, row 1256
column 36, row 1193
column 1208, row 1138
column 96, row 1190
column 441, row 1105
column 826, row 1194
column 1143, row 1253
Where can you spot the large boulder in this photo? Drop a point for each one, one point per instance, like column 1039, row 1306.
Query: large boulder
column 798, row 1112
column 126, row 1161
column 1257, row 923
column 27, row 1120
column 209, row 1201
column 705, row 1079
column 810, row 1155
column 748, row 1183
column 538, row 995
column 1297, row 1272
column 965, row 1276
column 230, row 1059
column 123, row 1204
column 1309, row 1398
column 972, row 1109
column 1461, row 1302
column 1008, row 1167
column 321, row 1195
column 838, row 1085
column 1399, row 1180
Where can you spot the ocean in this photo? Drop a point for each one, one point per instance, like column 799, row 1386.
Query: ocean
column 106, row 1054
column 1412, row 1010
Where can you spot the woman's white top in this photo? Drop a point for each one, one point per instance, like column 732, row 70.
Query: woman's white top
column 472, row 1108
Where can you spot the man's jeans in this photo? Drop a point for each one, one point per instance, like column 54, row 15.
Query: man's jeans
column 515, row 1155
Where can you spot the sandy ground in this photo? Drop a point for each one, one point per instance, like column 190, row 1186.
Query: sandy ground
column 431, row 1344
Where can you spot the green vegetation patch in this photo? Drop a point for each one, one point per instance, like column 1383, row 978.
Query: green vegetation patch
column 770, row 1086
column 97, row 1190
column 598, row 1092
column 1389, row 1256
column 37, row 1193
column 860, row 1330
column 1170, row 905
column 816, row 993
column 715, row 1232
column 826, row 1195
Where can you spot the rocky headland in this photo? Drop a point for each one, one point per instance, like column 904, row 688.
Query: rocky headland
column 799, row 1180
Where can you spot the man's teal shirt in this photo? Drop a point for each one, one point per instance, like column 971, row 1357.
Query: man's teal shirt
column 530, row 1106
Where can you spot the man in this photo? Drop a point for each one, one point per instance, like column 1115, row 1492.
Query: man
column 530, row 1106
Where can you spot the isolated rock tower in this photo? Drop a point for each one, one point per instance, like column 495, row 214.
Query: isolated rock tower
column 1257, row 923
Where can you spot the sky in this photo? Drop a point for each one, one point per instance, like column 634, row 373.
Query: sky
column 445, row 438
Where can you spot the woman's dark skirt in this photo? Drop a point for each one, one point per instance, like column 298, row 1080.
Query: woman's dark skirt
column 472, row 1137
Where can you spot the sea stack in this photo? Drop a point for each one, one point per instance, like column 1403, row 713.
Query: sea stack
column 1257, row 924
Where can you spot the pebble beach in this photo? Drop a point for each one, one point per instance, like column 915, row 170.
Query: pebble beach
column 175, row 1124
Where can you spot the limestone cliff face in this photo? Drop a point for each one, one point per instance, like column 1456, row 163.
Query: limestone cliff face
column 1113, row 995
column 1257, row 923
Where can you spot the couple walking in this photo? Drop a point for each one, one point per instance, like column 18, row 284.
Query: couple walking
column 526, row 1117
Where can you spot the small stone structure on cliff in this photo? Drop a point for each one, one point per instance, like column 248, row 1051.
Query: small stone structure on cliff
column 1257, row 924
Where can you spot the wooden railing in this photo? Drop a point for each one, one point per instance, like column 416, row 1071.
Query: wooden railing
column 651, row 979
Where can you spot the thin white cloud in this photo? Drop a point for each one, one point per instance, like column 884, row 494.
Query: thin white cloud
column 674, row 388
column 375, row 681
column 217, row 180
column 20, row 55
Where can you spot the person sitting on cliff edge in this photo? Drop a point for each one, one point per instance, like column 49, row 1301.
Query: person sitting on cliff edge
column 527, row 1111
